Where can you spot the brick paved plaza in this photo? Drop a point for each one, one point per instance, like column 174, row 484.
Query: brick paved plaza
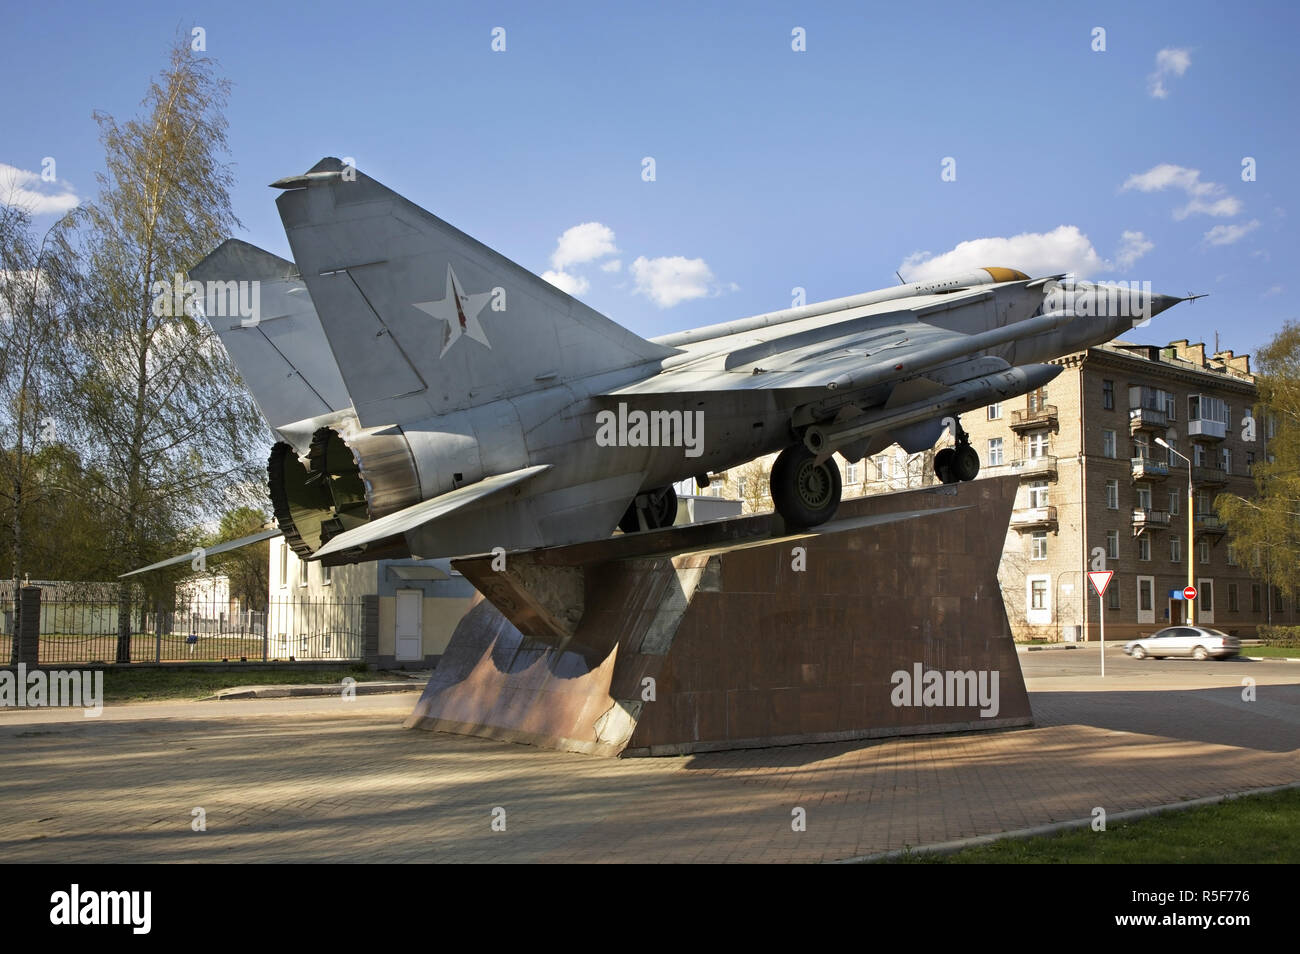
column 324, row 780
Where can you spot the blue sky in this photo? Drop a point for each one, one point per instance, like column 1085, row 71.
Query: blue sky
column 774, row 169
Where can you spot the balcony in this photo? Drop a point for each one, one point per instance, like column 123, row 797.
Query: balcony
column 1044, row 416
column 1210, row 524
column 1034, row 518
column 1147, row 419
column 1209, row 476
column 1147, row 519
column 1207, row 429
column 1144, row 468
column 1040, row 467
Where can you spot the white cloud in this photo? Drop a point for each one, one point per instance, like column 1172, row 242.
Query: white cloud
column 1132, row 246
column 1064, row 249
column 670, row 280
column 613, row 265
column 1273, row 291
column 583, row 243
column 1170, row 61
column 29, row 191
column 1205, row 198
column 572, row 284
column 1228, row 234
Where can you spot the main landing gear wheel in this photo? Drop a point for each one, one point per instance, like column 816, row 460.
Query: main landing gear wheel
column 657, row 507
column 805, row 492
column 957, row 463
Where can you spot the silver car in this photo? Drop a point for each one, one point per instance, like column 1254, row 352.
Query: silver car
column 1199, row 642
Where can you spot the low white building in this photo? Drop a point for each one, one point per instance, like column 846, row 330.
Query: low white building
column 315, row 611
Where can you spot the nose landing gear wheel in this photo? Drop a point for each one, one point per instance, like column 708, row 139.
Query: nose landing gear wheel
column 957, row 463
column 804, row 492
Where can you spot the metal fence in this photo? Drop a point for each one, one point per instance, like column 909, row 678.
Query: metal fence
column 288, row 629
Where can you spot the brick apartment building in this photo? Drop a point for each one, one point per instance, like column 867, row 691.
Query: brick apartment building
column 1096, row 491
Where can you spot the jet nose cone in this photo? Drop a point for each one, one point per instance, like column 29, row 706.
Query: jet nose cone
column 1161, row 303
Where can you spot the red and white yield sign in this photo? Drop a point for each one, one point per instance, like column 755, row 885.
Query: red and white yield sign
column 1100, row 579
column 1189, row 592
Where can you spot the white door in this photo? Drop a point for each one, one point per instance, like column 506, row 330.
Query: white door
column 410, row 605
column 1146, row 607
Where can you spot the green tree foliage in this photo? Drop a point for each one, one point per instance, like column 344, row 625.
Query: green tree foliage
column 248, row 567
column 1265, row 530
column 153, row 397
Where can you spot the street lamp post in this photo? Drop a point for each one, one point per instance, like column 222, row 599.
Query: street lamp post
column 1191, row 532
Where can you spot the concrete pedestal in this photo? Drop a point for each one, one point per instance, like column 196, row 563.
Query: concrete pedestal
column 886, row 621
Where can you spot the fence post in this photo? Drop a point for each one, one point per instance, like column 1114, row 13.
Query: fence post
column 27, row 634
column 157, row 631
column 266, row 632
column 370, row 629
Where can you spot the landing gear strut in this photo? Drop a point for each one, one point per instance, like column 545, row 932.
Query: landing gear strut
column 959, row 462
column 652, row 510
column 805, row 492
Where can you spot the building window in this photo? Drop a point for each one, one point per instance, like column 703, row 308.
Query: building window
column 1112, row 595
column 741, row 482
column 326, row 575
column 1038, row 545
column 1036, row 445
column 1205, row 595
column 1144, row 547
column 1198, row 455
column 1107, row 443
column 302, row 572
column 716, row 487
column 850, row 477
column 1108, row 395
column 1226, row 453
column 1250, row 462
column 1038, row 494
column 1144, row 593
column 1038, row 594
column 1173, row 502
column 995, row 451
column 1231, row 555
column 1170, row 404
column 882, row 467
column 1202, row 502
column 1233, row 606
column 1112, row 495
column 995, row 411
column 1144, row 496
column 1205, row 551
column 1203, row 407
column 1112, row 544
column 1170, row 458
column 284, row 564
column 1256, row 598
column 1036, row 400
column 1175, row 549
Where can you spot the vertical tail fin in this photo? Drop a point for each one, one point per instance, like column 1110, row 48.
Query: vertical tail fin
column 280, row 351
column 423, row 319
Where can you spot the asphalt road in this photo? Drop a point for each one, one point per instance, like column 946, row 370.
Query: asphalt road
column 1047, row 668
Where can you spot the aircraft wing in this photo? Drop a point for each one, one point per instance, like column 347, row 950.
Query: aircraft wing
column 209, row 551
column 856, row 352
column 426, row 511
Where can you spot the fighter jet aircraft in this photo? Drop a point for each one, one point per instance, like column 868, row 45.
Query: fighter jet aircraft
column 432, row 398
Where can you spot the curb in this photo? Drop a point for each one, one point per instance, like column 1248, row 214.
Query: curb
column 952, row 847
column 1270, row 658
column 326, row 689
